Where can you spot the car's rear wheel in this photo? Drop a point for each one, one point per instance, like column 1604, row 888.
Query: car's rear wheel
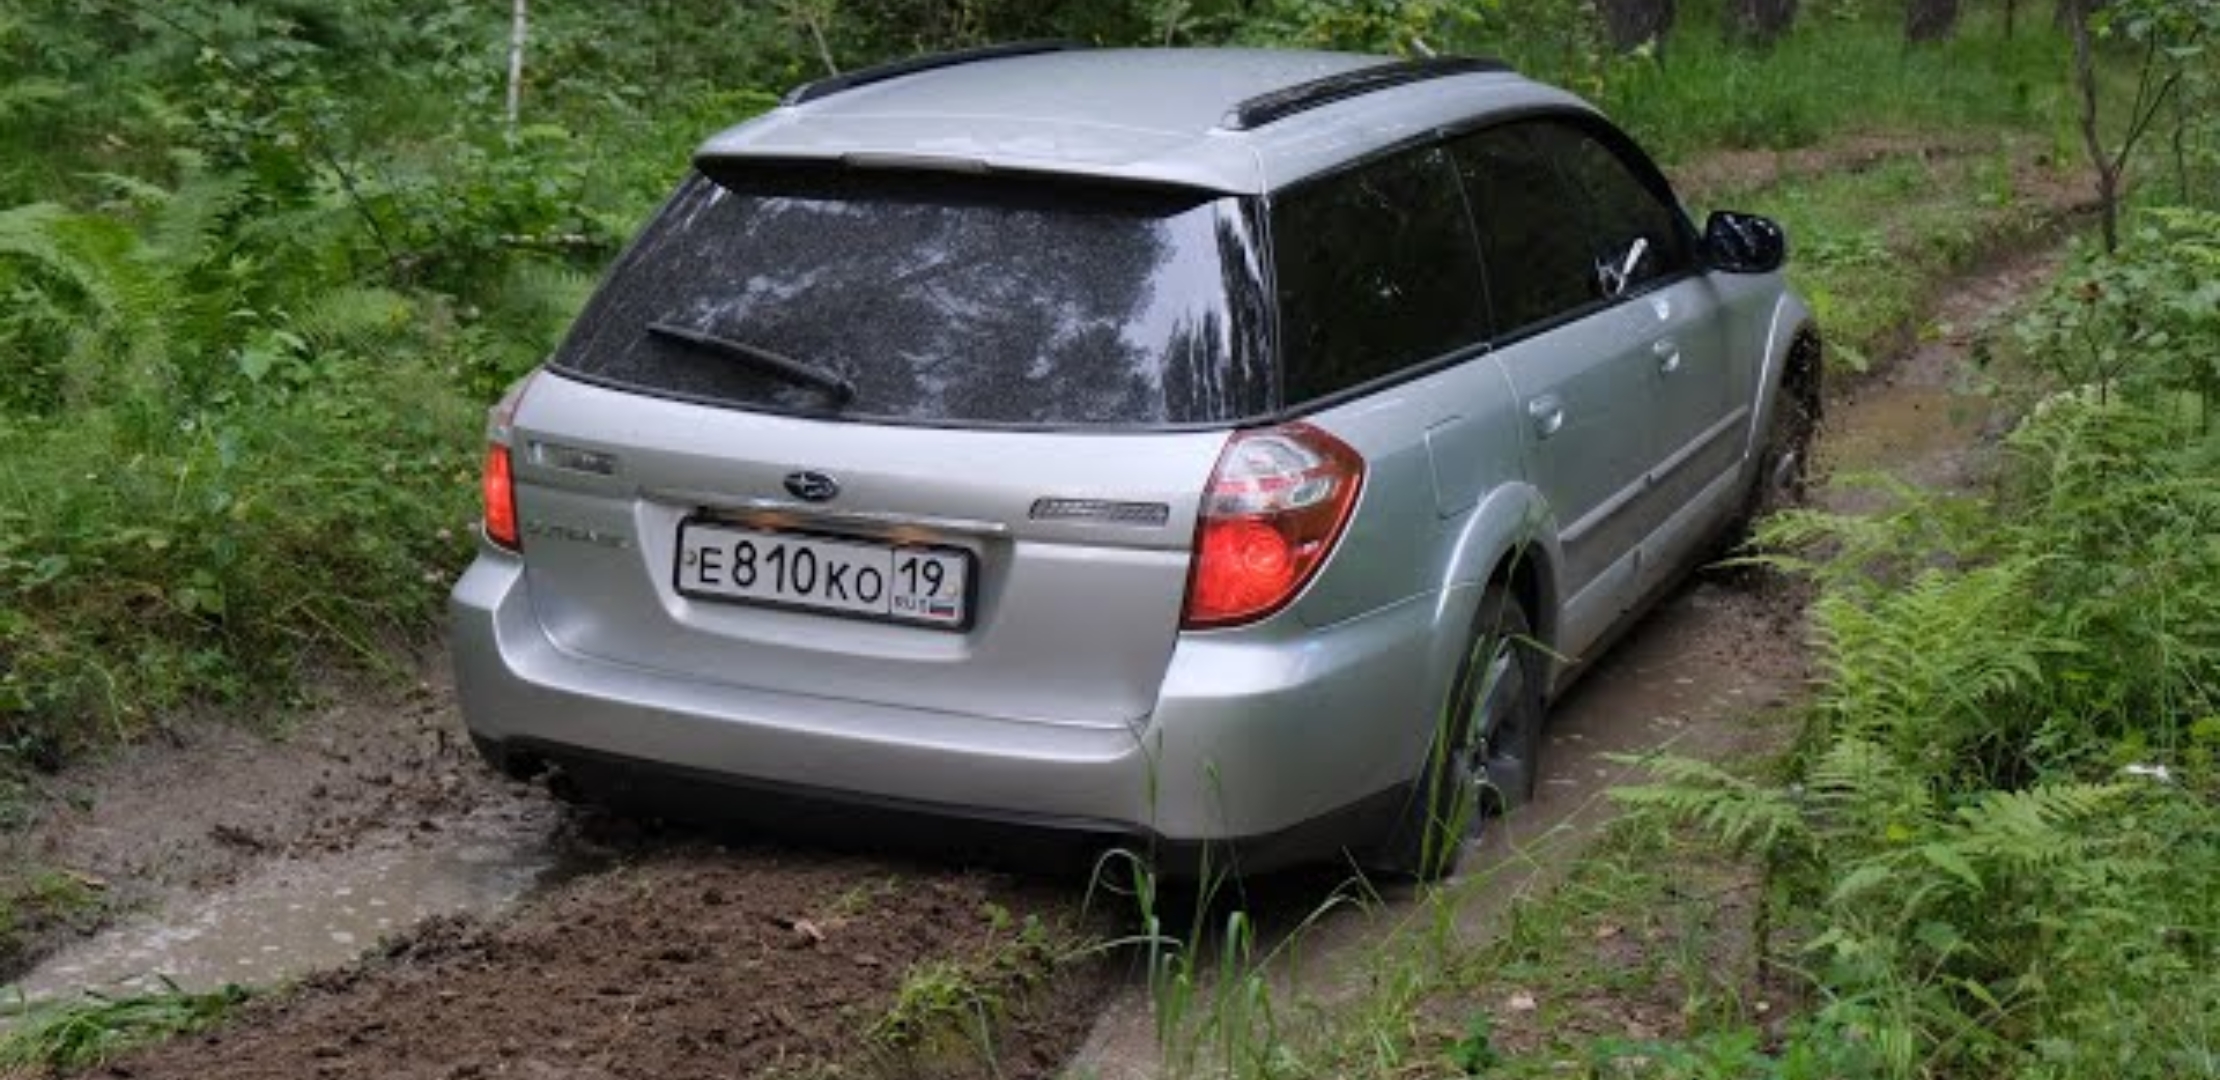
column 1486, row 748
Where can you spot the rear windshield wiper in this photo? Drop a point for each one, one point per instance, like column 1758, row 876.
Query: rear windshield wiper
column 764, row 360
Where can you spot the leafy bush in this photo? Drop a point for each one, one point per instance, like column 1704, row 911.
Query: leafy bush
column 2150, row 319
column 217, row 467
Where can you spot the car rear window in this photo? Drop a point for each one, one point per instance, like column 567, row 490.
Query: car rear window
column 941, row 299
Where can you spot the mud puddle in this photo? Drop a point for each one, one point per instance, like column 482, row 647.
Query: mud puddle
column 218, row 854
column 1920, row 421
column 302, row 914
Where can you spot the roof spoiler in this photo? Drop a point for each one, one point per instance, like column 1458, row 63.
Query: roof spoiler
column 1302, row 97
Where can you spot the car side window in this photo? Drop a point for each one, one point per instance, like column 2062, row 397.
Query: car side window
column 1376, row 270
column 1639, row 238
column 1533, row 228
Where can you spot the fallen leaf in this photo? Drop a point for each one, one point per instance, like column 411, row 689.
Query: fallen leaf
column 1521, row 1002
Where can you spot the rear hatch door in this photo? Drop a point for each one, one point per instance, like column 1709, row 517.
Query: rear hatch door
column 910, row 439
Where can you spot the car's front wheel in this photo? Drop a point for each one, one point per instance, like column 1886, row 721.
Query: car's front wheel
column 1784, row 455
column 1486, row 745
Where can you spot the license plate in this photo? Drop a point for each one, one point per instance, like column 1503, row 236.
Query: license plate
column 925, row 586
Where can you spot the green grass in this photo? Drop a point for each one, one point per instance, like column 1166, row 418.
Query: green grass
column 1870, row 247
column 213, row 563
column 946, row 1014
column 1643, row 946
column 1831, row 76
column 35, row 899
column 88, row 1031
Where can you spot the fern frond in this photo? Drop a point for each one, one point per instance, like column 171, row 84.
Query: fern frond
column 101, row 260
column 22, row 97
column 188, row 229
column 1739, row 813
column 1929, row 659
column 543, row 296
column 142, row 194
column 354, row 319
column 2035, row 827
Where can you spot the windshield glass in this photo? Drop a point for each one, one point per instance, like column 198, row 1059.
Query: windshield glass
column 943, row 299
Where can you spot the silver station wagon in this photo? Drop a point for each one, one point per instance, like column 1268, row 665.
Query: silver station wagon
column 1206, row 450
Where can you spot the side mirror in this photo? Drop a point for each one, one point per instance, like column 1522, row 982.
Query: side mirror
column 1739, row 243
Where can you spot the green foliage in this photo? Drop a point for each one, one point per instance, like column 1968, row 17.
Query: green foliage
column 946, row 1011
column 2147, row 321
column 1826, row 77
column 36, row 899
column 1474, row 1053
column 1383, row 26
column 2008, row 799
column 208, row 457
column 84, row 1033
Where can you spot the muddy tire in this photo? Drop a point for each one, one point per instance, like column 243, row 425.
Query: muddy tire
column 1784, row 456
column 1486, row 748
column 518, row 767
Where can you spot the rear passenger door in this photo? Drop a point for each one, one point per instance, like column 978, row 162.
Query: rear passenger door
column 1580, row 371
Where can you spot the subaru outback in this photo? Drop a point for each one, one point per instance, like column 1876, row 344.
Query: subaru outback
column 1210, row 448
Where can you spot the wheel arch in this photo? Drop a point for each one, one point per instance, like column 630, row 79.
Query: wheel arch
column 1794, row 364
column 1510, row 541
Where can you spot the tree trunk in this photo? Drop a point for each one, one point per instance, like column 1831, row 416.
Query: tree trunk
column 1930, row 20
column 1759, row 23
column 2011, row 15
column 519, row 26
column 1631, row 24
column 2085, row 79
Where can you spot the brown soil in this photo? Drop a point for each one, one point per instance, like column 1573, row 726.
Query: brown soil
column 1656, row 971
column 694, row 962
column 1914, row 418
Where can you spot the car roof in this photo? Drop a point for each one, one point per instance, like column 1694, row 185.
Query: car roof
column 1147, row 115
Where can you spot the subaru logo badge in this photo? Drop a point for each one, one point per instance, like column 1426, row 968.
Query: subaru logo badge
column 809, row 485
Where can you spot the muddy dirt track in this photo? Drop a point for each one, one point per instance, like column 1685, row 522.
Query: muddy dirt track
column 509, row 936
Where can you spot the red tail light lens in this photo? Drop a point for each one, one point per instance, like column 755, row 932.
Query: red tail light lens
column 1275, row 506
column 497, row 483
column 499, row 489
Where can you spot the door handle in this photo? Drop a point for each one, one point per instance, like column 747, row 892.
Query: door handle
column 1667, row 352
column 1548, row 414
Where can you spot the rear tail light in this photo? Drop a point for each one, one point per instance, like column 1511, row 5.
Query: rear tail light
column 497, row 482
column 499, row 488
column 1276, row 504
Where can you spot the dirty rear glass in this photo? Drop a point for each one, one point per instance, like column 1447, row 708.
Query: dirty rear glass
column 942, row 299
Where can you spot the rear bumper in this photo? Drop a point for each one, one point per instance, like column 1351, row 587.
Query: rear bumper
column 1286, row 748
